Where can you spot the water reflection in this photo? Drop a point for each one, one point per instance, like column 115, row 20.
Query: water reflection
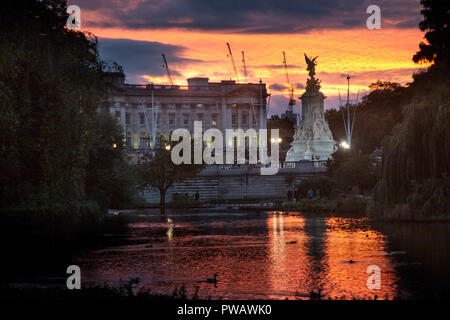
column 258, row 256
column 352, row 247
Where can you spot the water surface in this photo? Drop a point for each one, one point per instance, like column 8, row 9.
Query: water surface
column 274, row 256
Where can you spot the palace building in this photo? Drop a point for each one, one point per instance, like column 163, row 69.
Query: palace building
column 147, row 110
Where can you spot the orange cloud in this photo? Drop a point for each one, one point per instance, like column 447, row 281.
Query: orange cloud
column 368, row 55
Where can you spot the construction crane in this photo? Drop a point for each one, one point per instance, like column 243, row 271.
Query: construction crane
column 245, row 66
column 166, row 66
column 230, row 54
column 291, row 87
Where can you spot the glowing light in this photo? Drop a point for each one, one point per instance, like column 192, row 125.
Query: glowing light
column 278, row 140
column 167, row 147
column 344, row 145
column 114, row 145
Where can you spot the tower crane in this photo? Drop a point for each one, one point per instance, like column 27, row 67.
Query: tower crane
column 230, row 54
column 245, row 66
column 166, row 66
column 291, row 87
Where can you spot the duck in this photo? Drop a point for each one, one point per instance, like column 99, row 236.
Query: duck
column 212, row 280
column 351, row 261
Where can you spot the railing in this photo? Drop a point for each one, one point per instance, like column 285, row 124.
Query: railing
column 281, row 165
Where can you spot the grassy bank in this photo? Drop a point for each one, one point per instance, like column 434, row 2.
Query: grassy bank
column 126, row 292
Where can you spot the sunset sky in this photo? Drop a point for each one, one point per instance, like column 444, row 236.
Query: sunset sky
column 193, row 35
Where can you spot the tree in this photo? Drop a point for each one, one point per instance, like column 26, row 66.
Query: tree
column 436, row 23
column 415, row 160
column 158, row 170
column 377, row 114
column 356, row 170
column 57, row 150
column 286, row 133
column 323, row 184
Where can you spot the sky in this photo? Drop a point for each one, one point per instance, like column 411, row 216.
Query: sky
column 193, row 35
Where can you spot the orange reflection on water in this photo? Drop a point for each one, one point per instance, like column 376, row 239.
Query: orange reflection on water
column 347, row 243
column 273, row 256
column 326, row 255
column 286, row 252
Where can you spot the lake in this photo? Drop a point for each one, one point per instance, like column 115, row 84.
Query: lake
column 268, row 255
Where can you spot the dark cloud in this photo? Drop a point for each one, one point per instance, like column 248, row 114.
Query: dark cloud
column 250, row 16
column 142, row 57
column 299, row 85
column 280, row 66
column 277, row 87
column 412, row 23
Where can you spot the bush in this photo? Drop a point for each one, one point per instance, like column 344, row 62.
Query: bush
column 323, row 184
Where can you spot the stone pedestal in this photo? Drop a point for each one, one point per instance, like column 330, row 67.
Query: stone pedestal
column 313, row 139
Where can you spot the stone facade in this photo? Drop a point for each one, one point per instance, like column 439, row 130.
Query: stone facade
column 145, row 109
column 313, row 139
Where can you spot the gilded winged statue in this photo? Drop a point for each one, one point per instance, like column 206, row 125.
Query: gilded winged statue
column 311, row 68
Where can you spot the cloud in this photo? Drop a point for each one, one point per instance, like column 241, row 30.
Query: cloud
column 280, row 66
column 277, row 87
column 250, row 16
column 143, row 57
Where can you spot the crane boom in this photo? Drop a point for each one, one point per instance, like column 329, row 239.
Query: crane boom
column 166, row 66
column 245, row 66
column 285, row 68
column 291, row 87
column 232, row 62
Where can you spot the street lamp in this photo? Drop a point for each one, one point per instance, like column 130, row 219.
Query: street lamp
column 344, row 145
column 278, row 140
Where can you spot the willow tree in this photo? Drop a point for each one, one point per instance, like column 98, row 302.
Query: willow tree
column 415, row 158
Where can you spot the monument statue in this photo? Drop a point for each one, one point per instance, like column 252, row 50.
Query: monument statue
column 311, row 65
column 312, row 138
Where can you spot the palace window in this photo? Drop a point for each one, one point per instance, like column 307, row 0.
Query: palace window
column 143, row 142
column 142, row 119
column 244, row 119
column 186, row 120
column 172, row 120
column 127, row 119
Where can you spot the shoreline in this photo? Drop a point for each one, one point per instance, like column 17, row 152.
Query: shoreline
column 320, row 207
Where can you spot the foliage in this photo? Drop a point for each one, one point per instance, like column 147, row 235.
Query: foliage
column 415, row 164
column 56, row 148
column 323, row 184
column 356, row 170
column 376, row 115
column 286, row 133
column 158, row 170
column 436, row 15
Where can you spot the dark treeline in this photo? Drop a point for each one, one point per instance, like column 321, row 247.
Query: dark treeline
column 410, row 124
column 61, row 157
